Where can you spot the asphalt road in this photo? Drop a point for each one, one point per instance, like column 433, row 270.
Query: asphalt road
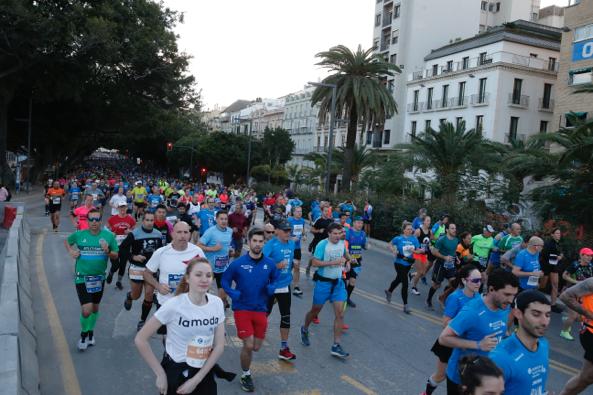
column 390, row 351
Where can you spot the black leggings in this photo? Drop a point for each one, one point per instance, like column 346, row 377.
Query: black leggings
column 284, row 301
column 401, row 277
column 117, row 266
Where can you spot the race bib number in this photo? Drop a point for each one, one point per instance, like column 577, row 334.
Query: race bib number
column 56, row 200
column 95, row 196
column 119, row 238
column 483, row 261
column 221, row 262
column 136, row 272
column 282, row 290
column 93, row 284
column 298, row 230
column 449, row 264
column 174, row 280
column 355, row 252
column 408, row 250
column 553, row 260
column 533, row 281
column 198, row 350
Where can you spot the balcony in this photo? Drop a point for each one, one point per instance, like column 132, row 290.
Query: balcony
column 414, row 108
column 518, row 101
column 384, row 45
column 387, row 19
column 546, row 106
column 458, row 102
column 480, row 100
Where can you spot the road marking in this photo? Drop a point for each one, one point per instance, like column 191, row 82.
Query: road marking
column 272, row 366
column 306, row 392
column 69, row 378
column 358, row 385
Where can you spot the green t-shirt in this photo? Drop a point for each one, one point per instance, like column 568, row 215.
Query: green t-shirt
column 508, row 242
column 92, row 260
column 482, row 245
column 446, row 246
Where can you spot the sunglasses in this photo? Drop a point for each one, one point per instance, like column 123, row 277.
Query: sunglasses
column 94, row 219
column 269, row 232
column 475, row 280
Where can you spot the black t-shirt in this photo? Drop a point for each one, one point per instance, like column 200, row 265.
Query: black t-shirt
column 321, row 223
column 277, row 211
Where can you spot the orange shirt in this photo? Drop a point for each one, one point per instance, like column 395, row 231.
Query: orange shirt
column 55, row 195
column 588, row 305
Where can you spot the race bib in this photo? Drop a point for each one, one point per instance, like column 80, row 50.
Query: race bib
column 282, row 290
column 174, row 280
column 198, row 350
column 93, row 284
column 449, row 264
column 533, row 281
column 483, row 261
column 553, row 260
column 355, row 252
column 95, row 196
column 297, row 230
column 136, row 272
column 408, row 250
column 56, row 200
column 221, row 262
column 119, row 238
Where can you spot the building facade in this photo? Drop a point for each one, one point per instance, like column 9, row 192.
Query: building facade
column 406, row 30
column 576, row 64
column 501, row 81
column 300, row 120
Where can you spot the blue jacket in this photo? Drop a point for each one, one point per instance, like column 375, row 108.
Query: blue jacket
column 255, row 281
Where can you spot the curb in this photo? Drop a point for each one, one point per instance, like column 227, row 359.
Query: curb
column 18, row 344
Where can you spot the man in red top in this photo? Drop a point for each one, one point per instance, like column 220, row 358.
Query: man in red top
column 224, row 197
column 79, row 215
column 120, row 224
column 54, row 195
column 239, row 223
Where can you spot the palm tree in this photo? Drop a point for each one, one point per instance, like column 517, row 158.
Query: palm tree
column 295, row 175
column 361, row 96
column 451, row 152
column 362, row 158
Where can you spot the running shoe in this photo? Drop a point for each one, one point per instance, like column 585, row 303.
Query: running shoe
column 415, row 291
column 316, row 320
column 411, row 275
column 337, row 351
column 109, row 278
column 247, row 383
column 118, row 285
column 305, row 337
column 350, row 303
column 140, row 325
column 297, row 291
column 566, row 335
column 407, row 309
column 128, row 302
column 388, row 296
column 91, row 339
column 82, row 344
column 429, row 306
column 286, row 355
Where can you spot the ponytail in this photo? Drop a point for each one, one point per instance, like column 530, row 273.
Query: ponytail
column 462, row 273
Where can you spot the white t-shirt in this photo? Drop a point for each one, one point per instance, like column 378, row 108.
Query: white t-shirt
column 193, row 208
column 190, row 327
column 115, row 201
column 171, row 264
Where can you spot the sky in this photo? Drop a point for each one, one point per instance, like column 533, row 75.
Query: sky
column 244, row 49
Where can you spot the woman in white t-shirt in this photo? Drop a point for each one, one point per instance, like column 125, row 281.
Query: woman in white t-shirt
column 195, row 335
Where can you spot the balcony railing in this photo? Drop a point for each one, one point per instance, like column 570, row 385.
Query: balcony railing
column 480, row 100
column 385, row 45
column 484, row 61
column 387, row 19
column 415, row 107
column 519, row 101
column 546, row 106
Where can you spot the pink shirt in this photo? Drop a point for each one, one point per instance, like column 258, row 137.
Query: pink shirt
column 81, row 214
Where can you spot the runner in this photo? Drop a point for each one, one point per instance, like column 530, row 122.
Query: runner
column 116, row 201
column 206, row 218
column 74, row 192
column 357, row 241
column 139, row 199
column 445, row 250
column 91, row 248
column 331, row 258
column 155, row 199
column 137, row 248
column 526, row 266
column 255, row 278
column 467, row 284
column 79, row 214
column 523, row 356
column 480, row 376
column 54, row 195
column 577, row 272
column 182, row 215
column 481, row 247
column 367, row 216
column 403, row 248
column 96, row 193
column 419, row 220
column 297, row 224
column 162, row 225
column 319, row 230
column 579, row 298
column 269, row 231
column 195, row 341
column 239, row 223
column 480, row 325
column 120, row 224
column 551, row 262
column 511, row 240
column 216, row 243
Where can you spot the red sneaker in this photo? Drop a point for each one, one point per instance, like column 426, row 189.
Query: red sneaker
column 316, row 320
column 286, row 355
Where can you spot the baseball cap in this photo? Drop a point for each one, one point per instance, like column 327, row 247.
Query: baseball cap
column 122, row 204
column 283, row 225
column 586, row 251
column 488, row 228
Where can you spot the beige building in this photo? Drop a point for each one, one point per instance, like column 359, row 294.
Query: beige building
column 552, row 16
column 267, row 118
column 576, row 63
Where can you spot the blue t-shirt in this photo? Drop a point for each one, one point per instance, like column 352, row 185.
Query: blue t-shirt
column 298, row 227
column 455, row 302
column 525, row 372
column 315, row 213
column 207, row 220
column 213, row 236
column 417, row 223
column 74, row 193
column 356, row 242
column 474, row 322
column 154, row 200
column 528, row 263
column 405, row 245
column 347, row 207
column 278, row 251
column 326, row 251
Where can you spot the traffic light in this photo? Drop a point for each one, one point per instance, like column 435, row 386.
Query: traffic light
column 203, row 170
column 169, row 146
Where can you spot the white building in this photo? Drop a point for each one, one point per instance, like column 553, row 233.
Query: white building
column 501, row 81
column 300, row 120
column 406, row 30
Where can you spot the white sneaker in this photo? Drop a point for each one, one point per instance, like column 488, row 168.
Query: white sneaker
column 415, row 291
column 82, row 344
column 90, row 341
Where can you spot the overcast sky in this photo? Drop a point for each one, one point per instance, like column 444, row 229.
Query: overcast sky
column 266, row 48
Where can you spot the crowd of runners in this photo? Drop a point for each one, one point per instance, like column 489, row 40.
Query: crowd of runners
column 195, row 250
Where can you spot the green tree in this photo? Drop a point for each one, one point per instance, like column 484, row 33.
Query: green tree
column 362, row 159
column 362, row 97
column 277, row 146
column 387, row 176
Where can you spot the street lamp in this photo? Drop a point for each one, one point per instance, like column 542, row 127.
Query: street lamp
column 191, row 157
column 239, row 119
column 331, row 130
column 29, row 127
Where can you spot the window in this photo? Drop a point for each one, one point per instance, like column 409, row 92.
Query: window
column 479, row 123
column 484, row 5
column 377, row 19
column 465, row 63
column 458, row 122
column 415, row 104
column 461, row 94
column 547, row 96
column 450, row 65
column 386, row 136
column 482, row 91
column 393, row 58
column 583, row 33
column 435, row 69
column 318, row 142
column 533, row 55
column 325, row 141
column 577, row 77
column 445, row 96
column 442, row 121
column 497, row 6
column 534, row 17
column 427, row 125
column 552, row 64
column 491, row 7
column 390, row 85
column 429, row 98
column 395, row 37
column 482, row 59
column 369, row 137
column 517, row 85
column 543, row 126
column 376, row 44
column 514, row 125
column 396, row 10
column 413, row 128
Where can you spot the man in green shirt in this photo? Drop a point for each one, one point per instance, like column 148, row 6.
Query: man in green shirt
column 446, row 264
column 511, row 240
column 91, row 248
column 481, row 246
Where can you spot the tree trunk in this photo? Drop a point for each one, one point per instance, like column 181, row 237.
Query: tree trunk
column 6, row 175
column 349, row 150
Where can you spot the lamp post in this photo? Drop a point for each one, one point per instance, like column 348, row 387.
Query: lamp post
column 239, row 119
column 29, row 128
column 331, row 130
column 191, row 157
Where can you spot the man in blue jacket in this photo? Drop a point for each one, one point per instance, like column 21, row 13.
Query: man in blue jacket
column 256, row 279
column 281, row 250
